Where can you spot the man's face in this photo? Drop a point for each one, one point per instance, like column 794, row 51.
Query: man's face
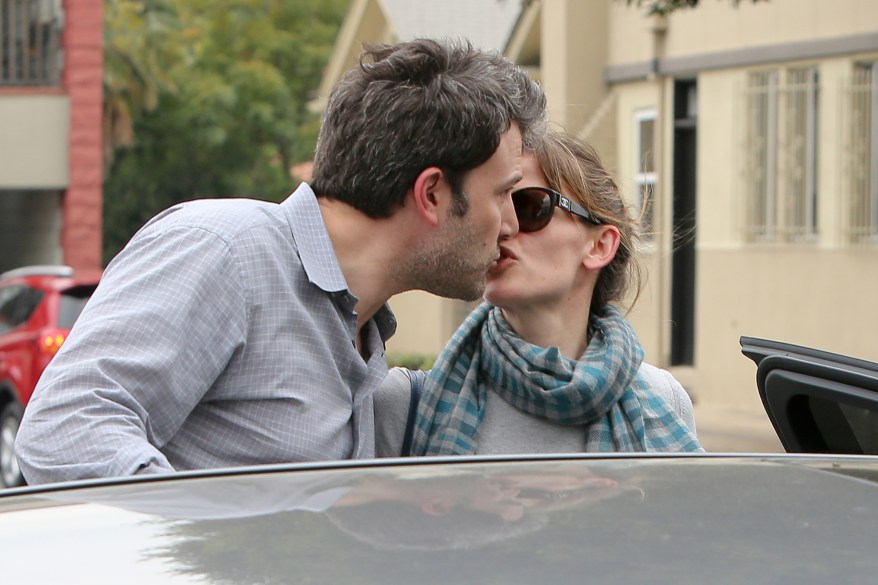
column 466, row 246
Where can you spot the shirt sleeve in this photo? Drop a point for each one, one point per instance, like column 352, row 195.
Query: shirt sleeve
column 679, row 400
column 167, row 317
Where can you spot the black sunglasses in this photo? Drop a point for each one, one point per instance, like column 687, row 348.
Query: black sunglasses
column 534, row 207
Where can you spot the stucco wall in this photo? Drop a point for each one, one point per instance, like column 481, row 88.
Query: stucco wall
column 572, row 60
column 805, row 296
column 817, row 293
column 33, row 140
column 425, row 322
column 649, row 312
column 718, row 26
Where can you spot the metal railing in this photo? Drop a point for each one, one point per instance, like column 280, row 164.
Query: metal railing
column 861, row 157
column 781, row 155
column 30, row 48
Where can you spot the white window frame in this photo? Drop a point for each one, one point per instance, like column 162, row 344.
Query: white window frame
column 645, row 182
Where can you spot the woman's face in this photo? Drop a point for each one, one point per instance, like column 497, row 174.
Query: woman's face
column 543, row 267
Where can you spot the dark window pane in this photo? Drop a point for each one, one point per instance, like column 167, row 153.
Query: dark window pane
column 71, row 305
column 17, row 304
column 647, row 130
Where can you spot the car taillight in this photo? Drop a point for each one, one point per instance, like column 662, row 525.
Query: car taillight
column 50, row 341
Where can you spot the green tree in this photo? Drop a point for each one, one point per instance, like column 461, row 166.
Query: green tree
column 662, row 7
column 224, row 114
column 138, row 49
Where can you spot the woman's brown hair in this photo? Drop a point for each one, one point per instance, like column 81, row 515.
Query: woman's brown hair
column 573, row 167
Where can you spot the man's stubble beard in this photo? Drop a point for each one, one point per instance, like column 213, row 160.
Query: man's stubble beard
column 448, row 266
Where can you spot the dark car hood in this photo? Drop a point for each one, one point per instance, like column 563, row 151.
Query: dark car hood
column 693, row 519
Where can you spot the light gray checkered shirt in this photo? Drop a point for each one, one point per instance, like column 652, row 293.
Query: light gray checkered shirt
column 222, row 335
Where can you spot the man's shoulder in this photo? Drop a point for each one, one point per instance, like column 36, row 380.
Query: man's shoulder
column 232, row 218
column 225, row 217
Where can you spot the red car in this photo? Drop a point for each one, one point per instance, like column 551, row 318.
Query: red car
column 38, row 305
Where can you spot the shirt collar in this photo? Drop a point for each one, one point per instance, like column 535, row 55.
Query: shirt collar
column 385, row 320
column 318, row 256
column 312, row 240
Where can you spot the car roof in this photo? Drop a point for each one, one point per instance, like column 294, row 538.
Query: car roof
column 51, row 277
column 38, row 270
column 555, row 519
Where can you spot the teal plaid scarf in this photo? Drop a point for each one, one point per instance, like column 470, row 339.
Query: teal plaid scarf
column 601, row 392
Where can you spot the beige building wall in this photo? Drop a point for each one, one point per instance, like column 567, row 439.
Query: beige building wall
column 647, row 313
column 33, row 141
column 572, row 63
column 34, row 171
column 601, row 63
column 425, row 322
column 365, row 22
column 717, row 26
column 818, row 293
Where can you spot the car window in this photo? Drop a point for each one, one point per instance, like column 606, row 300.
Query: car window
column 844, row 428
column 17, row 303
column 72, row 302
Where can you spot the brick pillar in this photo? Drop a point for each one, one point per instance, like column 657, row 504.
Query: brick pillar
column 82, row 80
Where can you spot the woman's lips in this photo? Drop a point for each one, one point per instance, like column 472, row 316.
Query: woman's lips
column 506, row 258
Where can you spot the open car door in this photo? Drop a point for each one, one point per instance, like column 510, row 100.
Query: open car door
column 818, row 402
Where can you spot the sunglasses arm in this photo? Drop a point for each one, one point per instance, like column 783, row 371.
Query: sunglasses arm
column 573, row 207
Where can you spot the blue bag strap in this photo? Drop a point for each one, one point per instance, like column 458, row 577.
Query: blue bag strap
column 416, row 377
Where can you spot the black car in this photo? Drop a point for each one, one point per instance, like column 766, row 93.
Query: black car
column 573, row 519
column 618, row 518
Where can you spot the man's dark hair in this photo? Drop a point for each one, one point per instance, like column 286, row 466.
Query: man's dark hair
column 414, row 105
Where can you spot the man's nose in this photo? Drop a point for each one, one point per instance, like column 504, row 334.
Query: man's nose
column 508, row 219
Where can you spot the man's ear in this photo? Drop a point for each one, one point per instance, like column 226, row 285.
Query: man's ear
column 428, row 194
column 601, row 246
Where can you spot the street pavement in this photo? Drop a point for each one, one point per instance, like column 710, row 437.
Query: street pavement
column 735, row 428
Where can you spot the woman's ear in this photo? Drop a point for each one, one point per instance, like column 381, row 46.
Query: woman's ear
column 427, row 194
column 602, row 246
